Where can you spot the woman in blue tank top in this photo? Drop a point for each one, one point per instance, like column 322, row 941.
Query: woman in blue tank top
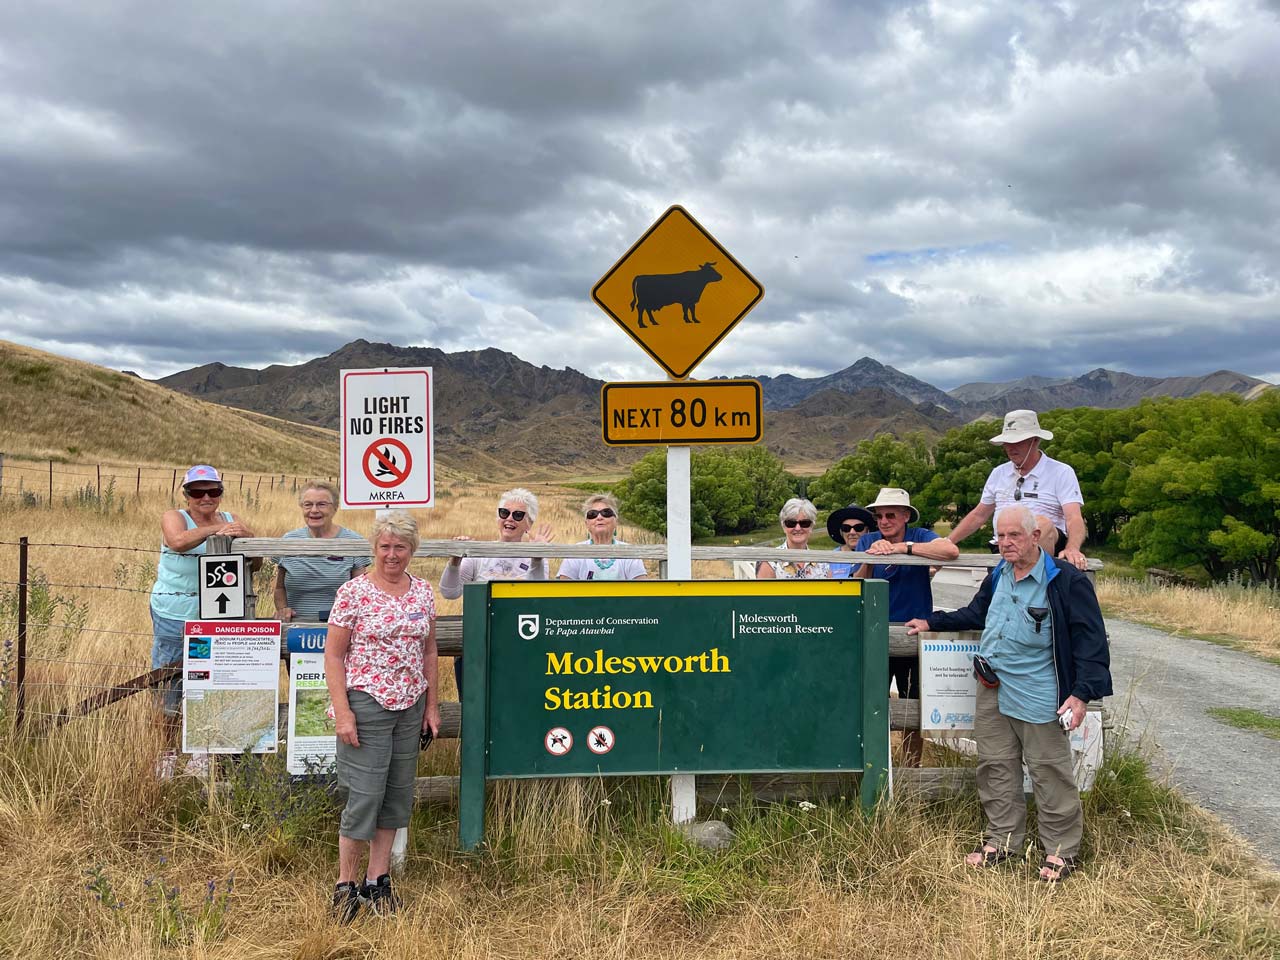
column 175, row 596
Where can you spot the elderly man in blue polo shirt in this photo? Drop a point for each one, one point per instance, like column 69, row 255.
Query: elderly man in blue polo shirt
column 1045, row 642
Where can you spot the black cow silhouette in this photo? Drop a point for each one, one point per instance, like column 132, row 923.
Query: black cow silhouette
column 653, row 291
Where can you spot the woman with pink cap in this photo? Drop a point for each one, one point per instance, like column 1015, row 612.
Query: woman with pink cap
column 175, row 596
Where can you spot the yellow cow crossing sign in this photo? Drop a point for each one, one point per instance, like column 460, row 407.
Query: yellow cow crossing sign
column 677, row 292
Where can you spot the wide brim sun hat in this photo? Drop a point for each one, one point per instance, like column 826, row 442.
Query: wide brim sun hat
column 851, row 512
column 895, row 497
column 1021, row 425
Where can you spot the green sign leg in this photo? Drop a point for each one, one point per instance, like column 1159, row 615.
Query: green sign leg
column 475, row 714
column 875, row 692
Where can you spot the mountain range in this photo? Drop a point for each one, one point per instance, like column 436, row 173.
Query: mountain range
column 497, row 412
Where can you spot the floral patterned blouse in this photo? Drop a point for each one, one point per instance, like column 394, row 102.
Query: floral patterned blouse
column 387, row 633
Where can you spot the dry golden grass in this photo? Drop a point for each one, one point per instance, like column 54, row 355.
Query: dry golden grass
column 60, row 408
column 565, row 874
column 1244, row 618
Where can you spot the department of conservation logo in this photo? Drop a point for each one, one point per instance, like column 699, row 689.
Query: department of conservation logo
column 528, row 625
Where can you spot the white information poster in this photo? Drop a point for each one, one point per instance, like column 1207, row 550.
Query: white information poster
column 230, row 686
column 386, row 438
column 948, row 688
column 312, row 744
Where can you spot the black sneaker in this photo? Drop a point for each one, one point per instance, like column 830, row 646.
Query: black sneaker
column 379, row 898
column 346, row 901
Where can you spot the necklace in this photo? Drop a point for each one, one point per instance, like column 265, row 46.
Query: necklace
column 604, row 564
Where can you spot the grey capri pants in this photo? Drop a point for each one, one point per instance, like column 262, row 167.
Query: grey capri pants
column 379, row 774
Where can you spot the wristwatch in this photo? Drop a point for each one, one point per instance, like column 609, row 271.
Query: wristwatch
column 909, row 549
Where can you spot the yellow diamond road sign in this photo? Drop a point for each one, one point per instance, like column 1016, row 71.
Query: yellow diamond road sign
column 677, row 292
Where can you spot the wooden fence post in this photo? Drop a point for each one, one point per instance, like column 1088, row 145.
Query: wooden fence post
column 137, row 490
column 99, row 481
column 50, row 484
column 1, row 474
column 174, row 484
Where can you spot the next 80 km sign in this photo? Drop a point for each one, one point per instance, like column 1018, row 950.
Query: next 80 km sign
column 386, row 438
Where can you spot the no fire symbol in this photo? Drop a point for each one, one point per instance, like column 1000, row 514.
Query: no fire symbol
column 600, row 740
column 387, row 462
column 558, row 741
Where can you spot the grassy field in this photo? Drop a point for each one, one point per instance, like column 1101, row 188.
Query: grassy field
column 108, row 861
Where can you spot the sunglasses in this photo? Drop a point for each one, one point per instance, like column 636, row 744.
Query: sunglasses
column 802, row 524
column 516, row 515
column 852, row 527
column 887, row 515
column 607, row 512
column 1017, row 488
column 214, row 492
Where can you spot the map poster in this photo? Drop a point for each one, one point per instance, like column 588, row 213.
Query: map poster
column 312, row 744
column 230, row 684
column 948, row 689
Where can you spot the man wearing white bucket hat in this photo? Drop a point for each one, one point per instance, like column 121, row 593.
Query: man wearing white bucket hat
column 1045, row 486
column 910, row 592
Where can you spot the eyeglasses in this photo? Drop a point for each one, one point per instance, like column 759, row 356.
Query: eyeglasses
column 316, row 505
column 802, row 524
column 607, row 513
column 852, row 527
column 213, row 492
column 1017, row 488
column 516, row 515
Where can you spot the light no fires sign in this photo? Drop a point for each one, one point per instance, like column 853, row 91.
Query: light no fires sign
column 387, row 438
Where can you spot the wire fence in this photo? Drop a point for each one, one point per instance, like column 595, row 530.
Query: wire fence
column 40, row 482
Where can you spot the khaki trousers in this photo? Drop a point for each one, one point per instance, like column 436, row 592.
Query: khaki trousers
column 1003, row 744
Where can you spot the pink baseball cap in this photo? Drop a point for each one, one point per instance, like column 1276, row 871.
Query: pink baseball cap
column 201, row 471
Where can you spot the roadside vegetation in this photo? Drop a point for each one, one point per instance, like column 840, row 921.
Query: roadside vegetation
column 109, row 861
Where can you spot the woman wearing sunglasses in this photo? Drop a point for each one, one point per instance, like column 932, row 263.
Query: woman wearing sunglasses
column 845, row 526
column 517, row 512
column 797, row 516
column 601, row 513
column 175, row 596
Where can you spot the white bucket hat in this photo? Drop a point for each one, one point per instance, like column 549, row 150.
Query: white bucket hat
column 1020, row 425
column 894, row 497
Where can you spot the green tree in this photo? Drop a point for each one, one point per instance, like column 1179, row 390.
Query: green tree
column 1203, row 487
column 962, row 460
column 731, row 491
column 884, row 461
column 1092, row 441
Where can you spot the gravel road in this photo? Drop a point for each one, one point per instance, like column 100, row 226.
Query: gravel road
column 1163, row 687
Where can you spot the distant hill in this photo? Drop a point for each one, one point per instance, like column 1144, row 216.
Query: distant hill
column 1097, row 388
column 502, row 416
column 55, row 407
column 867, row 374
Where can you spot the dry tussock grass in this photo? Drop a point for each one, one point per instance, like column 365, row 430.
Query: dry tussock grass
column 1247, row 618
column 565, row 874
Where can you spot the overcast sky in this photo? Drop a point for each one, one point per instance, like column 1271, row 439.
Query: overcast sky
column 963, row 190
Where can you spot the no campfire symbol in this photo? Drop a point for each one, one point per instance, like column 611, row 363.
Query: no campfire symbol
column 600, row 740
column 387, row 462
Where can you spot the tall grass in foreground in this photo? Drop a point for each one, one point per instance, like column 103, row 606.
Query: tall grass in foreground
column 107, row 861
column 1247, row 617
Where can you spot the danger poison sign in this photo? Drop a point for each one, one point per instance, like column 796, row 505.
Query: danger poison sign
column 387, row 434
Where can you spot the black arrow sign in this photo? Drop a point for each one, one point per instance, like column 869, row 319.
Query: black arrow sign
column 222, row 600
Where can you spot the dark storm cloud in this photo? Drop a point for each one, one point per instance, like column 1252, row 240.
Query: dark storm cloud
column 960, row 190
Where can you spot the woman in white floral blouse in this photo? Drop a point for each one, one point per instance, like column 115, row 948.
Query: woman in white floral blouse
column 380, row 668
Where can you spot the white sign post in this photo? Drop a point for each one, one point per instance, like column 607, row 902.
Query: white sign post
column 222, row 587
column 387, row 432
column 230, row 686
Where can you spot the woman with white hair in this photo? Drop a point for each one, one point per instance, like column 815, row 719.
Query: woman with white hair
column 601, row 514
column 380, row 669
column 797, row 517
column 517, row 513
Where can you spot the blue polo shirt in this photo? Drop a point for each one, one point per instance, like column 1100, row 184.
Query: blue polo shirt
column 1022, row 657
column 910, row 594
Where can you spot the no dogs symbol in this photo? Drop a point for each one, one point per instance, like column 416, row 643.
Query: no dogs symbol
column 387, row 462
column 558, row 741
